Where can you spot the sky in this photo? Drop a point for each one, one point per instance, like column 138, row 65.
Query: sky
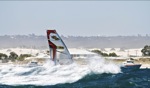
column 75, row 18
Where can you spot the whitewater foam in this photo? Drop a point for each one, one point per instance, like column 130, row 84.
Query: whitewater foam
column 50, row 74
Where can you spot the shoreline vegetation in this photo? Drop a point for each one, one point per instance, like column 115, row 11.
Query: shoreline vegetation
column 24, row 56
column 145, row 61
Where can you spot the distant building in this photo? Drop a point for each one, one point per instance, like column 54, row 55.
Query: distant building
column 80, row 53
column 112, row 49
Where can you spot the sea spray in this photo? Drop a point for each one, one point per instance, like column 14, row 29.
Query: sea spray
column 99, row 65
column 50, row 74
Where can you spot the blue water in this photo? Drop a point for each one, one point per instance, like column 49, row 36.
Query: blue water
column 133, row 79
column 96, row 73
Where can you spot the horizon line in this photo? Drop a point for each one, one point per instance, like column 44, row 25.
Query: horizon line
column 32, row 34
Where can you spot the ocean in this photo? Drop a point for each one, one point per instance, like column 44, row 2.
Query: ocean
column 96, row 74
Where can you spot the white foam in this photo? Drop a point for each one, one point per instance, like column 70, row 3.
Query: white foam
column 99, row 65
column 49, row 74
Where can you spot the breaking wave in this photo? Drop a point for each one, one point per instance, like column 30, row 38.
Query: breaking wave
column 50, row 74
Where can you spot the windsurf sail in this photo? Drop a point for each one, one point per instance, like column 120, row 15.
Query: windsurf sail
column 58, row 50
